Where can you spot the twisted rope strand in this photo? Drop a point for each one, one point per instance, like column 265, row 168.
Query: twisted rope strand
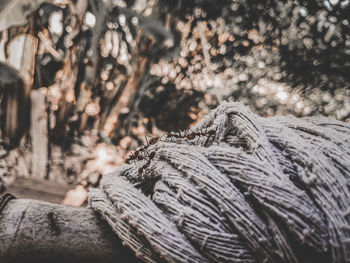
column 255, row 190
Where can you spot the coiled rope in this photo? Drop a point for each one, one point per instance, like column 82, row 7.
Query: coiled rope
column 256, row 190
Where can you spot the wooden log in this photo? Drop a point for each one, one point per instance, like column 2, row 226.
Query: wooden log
column 37, row 231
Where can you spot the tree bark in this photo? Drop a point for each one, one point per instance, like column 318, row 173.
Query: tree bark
column 37, row 231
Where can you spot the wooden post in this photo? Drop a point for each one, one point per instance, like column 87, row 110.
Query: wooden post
column 39, row 133
column 21, row 56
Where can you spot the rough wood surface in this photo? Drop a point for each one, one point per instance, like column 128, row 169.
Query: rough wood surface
column 37, row 231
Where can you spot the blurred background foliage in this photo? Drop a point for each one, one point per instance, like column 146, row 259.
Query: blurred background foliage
column 83, row 81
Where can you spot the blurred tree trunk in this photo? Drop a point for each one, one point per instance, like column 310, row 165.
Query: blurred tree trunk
column 16, row 100
column 115, row 125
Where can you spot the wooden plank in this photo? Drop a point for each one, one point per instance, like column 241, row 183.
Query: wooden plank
column 39, row 133
column 44, row 190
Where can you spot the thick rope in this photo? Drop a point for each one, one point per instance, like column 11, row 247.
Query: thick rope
column 255, row 190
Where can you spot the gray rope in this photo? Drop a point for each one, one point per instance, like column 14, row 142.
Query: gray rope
column 256, row 190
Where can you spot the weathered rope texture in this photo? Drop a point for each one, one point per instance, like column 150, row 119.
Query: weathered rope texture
column 255, row 190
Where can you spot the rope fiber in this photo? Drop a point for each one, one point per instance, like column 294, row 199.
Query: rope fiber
column 255, row 190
